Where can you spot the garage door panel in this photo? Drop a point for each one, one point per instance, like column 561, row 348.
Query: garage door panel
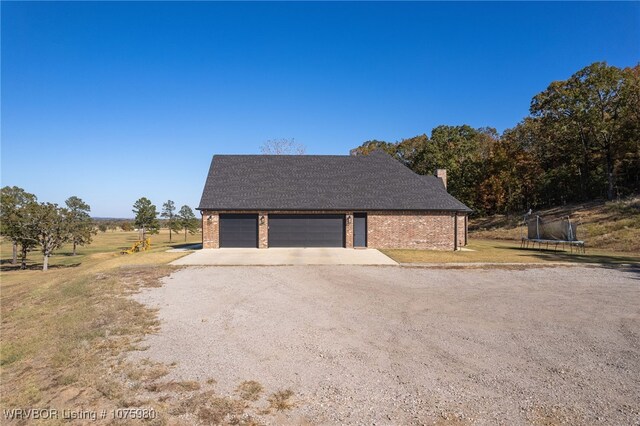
column 238, row 230
column 306, row 230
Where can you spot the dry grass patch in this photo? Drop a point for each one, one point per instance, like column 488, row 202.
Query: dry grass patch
column 146, row 370
column 66, row 335
column 209, row 407
column 280, row 400
column 69, row 331
column 250, row 390
column 172, row 386
column 541, row 415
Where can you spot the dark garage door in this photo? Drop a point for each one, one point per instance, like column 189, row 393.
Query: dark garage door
column 306, row 230
column 238, row 230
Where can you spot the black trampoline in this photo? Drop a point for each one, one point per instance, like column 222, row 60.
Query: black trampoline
column 551, row 233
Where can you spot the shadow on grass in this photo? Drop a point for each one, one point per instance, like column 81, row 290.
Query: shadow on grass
column 187, row 246
column 618, row 262
column 565, row 256
column 7, row 266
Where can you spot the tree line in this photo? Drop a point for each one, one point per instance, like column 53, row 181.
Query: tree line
column 31, row 225
column 146, row 218
column 127, row 225
column 581, row 141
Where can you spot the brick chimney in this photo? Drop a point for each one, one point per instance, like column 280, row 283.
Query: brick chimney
column 442, row 174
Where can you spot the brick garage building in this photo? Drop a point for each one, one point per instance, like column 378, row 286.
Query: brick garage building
column 327, row 201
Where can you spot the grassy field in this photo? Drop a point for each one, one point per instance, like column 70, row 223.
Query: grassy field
column 498, row 251
column 603, row 225
column 104, row 242
column 49, row 316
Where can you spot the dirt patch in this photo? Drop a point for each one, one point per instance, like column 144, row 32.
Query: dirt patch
column 389, row 345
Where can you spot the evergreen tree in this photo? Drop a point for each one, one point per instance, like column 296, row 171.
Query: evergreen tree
column 187, row 221
column 168, row 212
column 146, row 216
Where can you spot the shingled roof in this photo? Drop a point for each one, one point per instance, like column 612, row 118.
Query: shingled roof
column 321, row 182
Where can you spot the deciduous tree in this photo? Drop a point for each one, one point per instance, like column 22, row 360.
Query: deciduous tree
column 463, row 151
column 15, row 220
column 80, row 223
column 586, row 114
column 53, row 229
column 581, row 141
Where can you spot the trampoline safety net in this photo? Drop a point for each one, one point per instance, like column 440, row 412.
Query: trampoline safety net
column 558, row 230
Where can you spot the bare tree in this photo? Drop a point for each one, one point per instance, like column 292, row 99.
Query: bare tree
column 283, row 147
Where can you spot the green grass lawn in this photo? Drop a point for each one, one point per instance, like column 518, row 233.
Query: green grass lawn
column 500, row 251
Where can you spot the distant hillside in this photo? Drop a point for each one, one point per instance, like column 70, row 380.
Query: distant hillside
column 613, row 225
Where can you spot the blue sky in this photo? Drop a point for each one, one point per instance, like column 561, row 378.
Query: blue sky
column 114, row 101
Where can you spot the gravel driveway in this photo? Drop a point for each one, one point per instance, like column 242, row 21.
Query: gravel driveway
column 394, row 345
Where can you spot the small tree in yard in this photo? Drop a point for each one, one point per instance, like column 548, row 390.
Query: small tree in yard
column 102, row 227
column 187, row 221
column 53, row 229
column 15, row 222
column 168, row 212
column 81, row 225
column 146, row 216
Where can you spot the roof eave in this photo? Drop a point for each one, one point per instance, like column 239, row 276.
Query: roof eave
column 324, row 209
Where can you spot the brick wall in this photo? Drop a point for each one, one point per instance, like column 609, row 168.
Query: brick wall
column 263, row 230
column 461, row 230
column 348, row 232
column 404, row 229
column 210, row 230
column 414, row 230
